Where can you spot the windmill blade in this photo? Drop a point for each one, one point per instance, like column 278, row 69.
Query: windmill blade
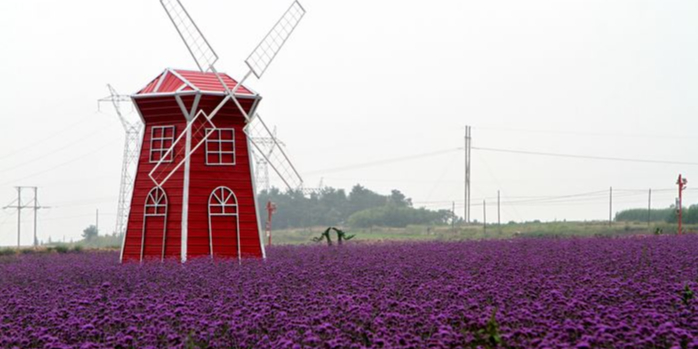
column 269, row 47
column 278, row 160
column 196, row 43
column 176, row 155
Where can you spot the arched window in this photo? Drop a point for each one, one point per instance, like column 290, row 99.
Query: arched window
column 223, row 212
column 156, row 203
column 154, row 221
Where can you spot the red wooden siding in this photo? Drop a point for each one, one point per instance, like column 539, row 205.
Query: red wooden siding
column 205, row 178
column 163, row 111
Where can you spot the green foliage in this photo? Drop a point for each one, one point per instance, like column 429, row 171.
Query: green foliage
column 90, row 233
column 687, row 295
column 62, row 249
column 102, row 241
column 333, row 206
column 488, row 337
column 398, row 217
column 668, row 215
column 342, row 236
column 494, row 338
column 324, row 235
column 640, row 215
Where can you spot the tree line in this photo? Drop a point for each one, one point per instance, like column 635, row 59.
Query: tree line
column 669, row 215
column 359, row 208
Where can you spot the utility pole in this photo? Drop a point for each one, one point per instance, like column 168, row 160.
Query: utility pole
column 681, row 182
column 610, row 206
column 36, row 209
column 19, row 214
column 484, row 216
column 271, row 208
column 499, row 221
column 19, row 206
column 97, row 221
column 649, row 208
column 466, row 193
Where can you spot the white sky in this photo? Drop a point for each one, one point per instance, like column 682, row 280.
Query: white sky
column 361, row 81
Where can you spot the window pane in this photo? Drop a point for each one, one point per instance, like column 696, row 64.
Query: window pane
column 227, row 146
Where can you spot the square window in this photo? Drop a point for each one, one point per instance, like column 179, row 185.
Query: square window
column 220, row 146
column 161, row 139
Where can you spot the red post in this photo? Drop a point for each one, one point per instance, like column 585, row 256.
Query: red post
column 271, row 208
column 681, row 182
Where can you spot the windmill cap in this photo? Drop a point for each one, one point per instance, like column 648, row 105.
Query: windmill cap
column 179, row 80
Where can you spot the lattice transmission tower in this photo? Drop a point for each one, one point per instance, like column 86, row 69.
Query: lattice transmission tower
column 133, row 128
column 269, row 145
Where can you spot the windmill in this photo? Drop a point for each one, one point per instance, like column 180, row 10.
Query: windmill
column 132, row 145
column 199, row 137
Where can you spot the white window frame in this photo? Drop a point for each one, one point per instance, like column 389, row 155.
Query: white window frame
column 223, row 197
column 215, row 137
column 157, row 199
column 162, row 151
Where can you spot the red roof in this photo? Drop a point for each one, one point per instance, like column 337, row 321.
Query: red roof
column 171, row 81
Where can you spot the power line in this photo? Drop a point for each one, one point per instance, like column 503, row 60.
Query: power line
column 384, row 161
column 64, row 163
column 48, row 154
column 590, row 157
column 602, row 134
column 44, row 140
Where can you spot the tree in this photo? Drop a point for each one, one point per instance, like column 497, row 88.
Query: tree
column 90, row 233
column 330, row 207
column 361, row 198
column 399, row 199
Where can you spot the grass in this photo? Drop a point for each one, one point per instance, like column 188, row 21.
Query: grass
column 477, row 232
column 415, row 233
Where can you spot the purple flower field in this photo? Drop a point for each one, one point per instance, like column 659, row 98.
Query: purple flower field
column 524, row 293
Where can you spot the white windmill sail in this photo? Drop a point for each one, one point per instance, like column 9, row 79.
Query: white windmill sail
column 268, row 147
column 258, row 62
column 261, row 57
column 196, row 43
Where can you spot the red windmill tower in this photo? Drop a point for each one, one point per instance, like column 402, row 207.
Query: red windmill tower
column 194, row 193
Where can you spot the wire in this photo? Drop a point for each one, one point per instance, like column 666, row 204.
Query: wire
column 45, row 155
column 385, row 161
column 44, row 140
column 444, row 171
column 499, row 184
column 591, row 157
column 64, row 163
column 589, row 133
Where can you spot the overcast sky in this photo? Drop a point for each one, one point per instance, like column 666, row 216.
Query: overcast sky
column 363, row 81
